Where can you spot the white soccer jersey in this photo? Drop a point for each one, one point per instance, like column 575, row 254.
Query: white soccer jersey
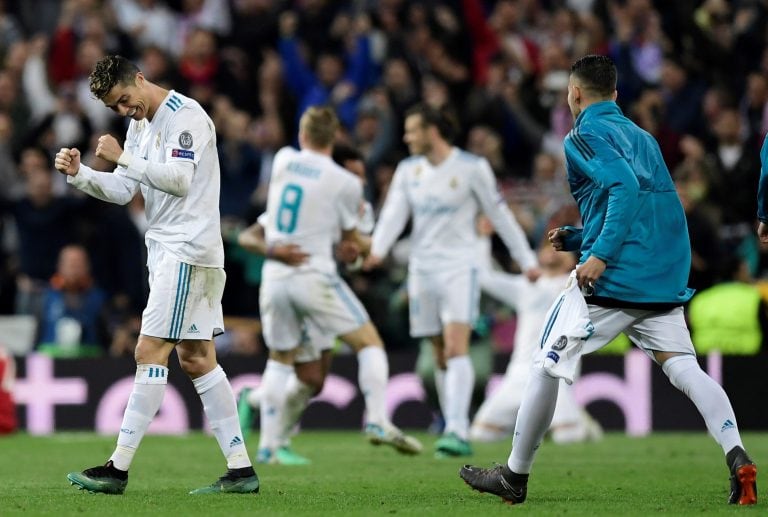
column 311, row 200
column 444, row 202
column 187, row 223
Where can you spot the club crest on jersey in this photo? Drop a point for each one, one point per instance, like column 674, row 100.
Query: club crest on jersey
column 157, row 141
column 185, row 139
column 417, row 171
column 454, row 183
column 183, row 153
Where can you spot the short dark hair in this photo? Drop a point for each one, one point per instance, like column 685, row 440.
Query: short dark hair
column 441, row 118
column 597, row 73
column 110, row 71
column 342, row 153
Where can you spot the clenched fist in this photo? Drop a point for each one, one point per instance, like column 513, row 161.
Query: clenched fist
column 67, row 161
column 108, row 148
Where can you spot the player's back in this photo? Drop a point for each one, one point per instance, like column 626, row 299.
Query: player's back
column 310, row 201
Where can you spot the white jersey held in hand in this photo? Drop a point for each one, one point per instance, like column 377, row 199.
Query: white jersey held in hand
column 566, row 328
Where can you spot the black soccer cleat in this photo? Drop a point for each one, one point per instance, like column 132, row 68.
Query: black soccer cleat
column 235, row 481
column 498, row 480
column 105, row 479
column 743, row 477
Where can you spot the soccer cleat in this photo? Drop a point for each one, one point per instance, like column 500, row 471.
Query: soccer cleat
column 245, row 412
column 378, row 435
column 105, row 479
column 263, row 456
column 743, row 477
column 286, row 456
column 235, row 481
column 450, row 445
column 498, row 480
column 283, row 455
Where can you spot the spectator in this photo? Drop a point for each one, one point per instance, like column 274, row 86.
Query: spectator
column 73, row 307
column 45, row 224
column 736, row 158
column 330, row 81
column 147, row 22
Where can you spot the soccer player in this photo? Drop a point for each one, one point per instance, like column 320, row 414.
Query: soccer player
column 311, row 202
column 495, row 418
column 313, row 360
column 633, row 271
column 444, row 189
column 170, row 155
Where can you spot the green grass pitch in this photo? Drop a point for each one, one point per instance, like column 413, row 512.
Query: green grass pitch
column 667, row 474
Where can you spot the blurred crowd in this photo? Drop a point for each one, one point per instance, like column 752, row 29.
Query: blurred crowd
column 693, row 73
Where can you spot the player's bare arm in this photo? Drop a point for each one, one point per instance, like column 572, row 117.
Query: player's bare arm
column 252, row 240
column 67, row 161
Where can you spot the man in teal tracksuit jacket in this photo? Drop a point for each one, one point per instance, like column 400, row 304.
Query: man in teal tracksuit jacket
column 635, row 260
column 633, row 219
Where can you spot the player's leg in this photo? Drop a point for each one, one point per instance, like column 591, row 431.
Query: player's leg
column 310, row 369
column 537, row 408
column 459, row 384
column 666, row 338
column 459, row 299
column 283, row 332
column 198, row 360
column 373, row 376
column 438, row 352
column 311, row 366
column 145, row 399
column 496, row 416
column 170, row 281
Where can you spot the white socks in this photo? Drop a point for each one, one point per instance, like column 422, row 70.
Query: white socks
column 440, row 388
column 533, row 419
column 459, row 383
column 709, row 397
column 146, row 397
column 372, row 376
column 274, row 383
column 221, row 409
column 297, row 398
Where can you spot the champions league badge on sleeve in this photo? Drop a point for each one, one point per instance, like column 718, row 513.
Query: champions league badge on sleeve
column 185, row 140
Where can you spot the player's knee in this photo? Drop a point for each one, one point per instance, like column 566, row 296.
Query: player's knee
column 676, row 366
column 196, row 365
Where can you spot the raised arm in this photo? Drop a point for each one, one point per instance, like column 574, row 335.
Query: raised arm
column 394, row 215
column 112, row 187
column 505, row 224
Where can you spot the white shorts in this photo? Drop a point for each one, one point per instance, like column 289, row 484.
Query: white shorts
column 649, row 330
column 319, row 299
column 441, row 297
column 184, row 300
column 313, row 343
